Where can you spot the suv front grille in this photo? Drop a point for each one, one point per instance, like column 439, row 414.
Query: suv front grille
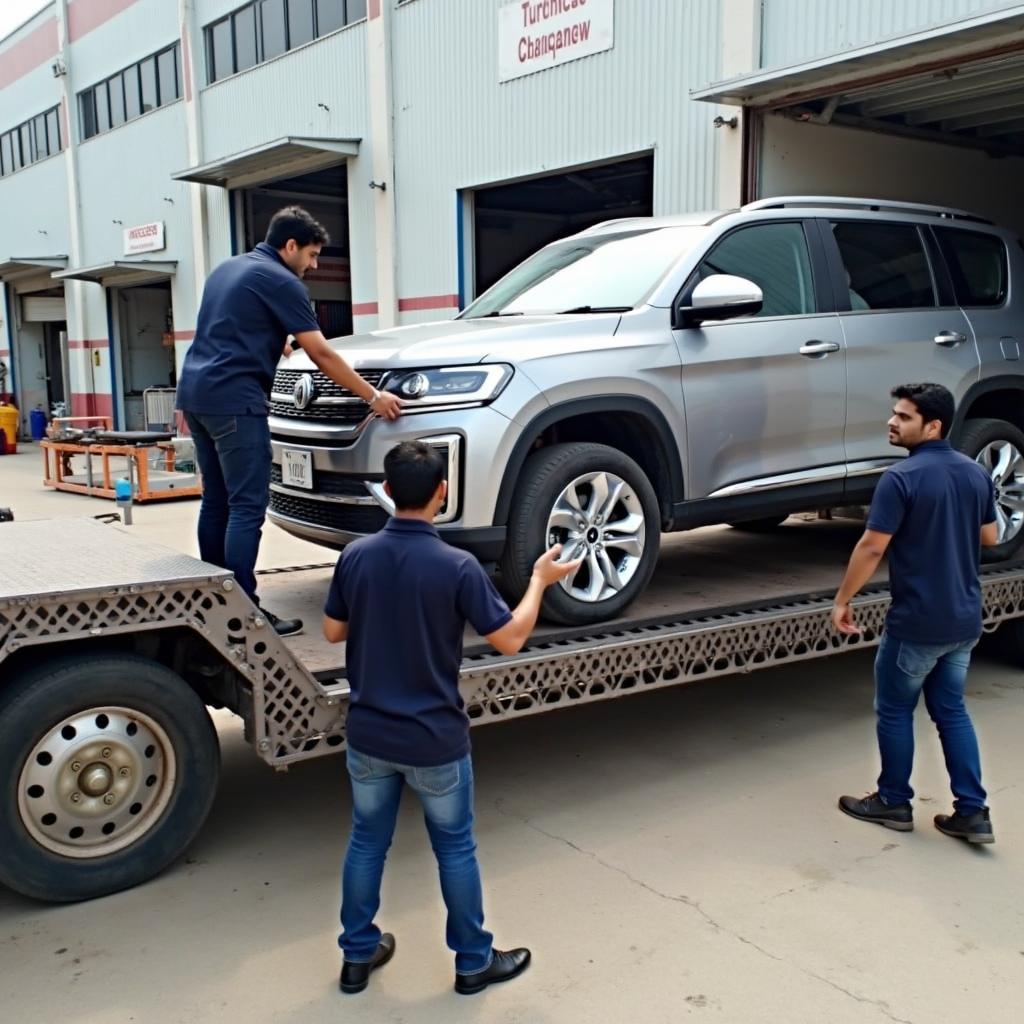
column 323, row 387
column 331, row 516
column 328, row 483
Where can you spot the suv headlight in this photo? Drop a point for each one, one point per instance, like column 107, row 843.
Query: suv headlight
column 457, row 385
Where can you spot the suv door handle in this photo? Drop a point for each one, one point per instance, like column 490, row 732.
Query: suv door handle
column 947, row 339
column 814, row 349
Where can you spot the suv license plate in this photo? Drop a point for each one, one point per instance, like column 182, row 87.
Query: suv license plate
column 297, row 469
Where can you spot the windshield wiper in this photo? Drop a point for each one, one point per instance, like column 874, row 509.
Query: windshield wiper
column 596, row 309
column 496, row 312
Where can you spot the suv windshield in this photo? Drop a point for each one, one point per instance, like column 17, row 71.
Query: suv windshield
column 592, row 274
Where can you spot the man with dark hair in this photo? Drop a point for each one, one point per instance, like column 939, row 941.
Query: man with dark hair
column 401, row 599
column 251, row 304
column 932, row 512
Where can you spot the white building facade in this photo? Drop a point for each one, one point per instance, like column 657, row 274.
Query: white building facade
column 440, row 142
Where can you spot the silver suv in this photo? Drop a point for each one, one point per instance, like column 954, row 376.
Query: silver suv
column 650, row 375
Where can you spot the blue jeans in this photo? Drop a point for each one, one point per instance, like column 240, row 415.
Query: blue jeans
column 446, row 794
column 234, row 457
column 902, row 671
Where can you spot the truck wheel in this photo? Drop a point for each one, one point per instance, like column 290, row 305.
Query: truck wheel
column 595, row 502
column 998, row 447
column 765, row 525
column 110, row 766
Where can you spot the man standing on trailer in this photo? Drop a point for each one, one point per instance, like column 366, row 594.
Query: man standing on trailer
column 932, row 513
column 251, row 304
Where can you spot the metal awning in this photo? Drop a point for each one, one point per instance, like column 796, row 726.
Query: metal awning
column 121, row 272
column 272, row 161
column 15, row 267
column 960, row 83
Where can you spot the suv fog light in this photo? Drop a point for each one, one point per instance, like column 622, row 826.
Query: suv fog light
column 450, row 447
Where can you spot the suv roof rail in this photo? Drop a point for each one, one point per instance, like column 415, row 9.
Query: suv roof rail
column 778, row 202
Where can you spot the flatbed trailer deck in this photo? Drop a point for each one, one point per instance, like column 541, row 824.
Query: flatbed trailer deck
column 110, row 647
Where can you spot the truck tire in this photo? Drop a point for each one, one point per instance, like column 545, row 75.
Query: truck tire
column 998, row 447
column 558, row 499
column 109, row 767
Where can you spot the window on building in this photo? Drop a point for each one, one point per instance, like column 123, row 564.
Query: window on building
column 32, row 140
column 886, row 266
column 136, row 90
column 264, row 29
column 775, row 258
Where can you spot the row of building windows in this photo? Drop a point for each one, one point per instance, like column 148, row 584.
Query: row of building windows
column 268, row 28
column 34, row 139
column 151, row 83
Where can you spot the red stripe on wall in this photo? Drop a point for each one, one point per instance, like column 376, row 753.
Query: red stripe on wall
column 85, row 15
column 374, row 9
column 28, row 53
column 364, row 308
column 184, row 335
column 4, row 352
column 429, row 302
column 89, row 343
column 84, row 403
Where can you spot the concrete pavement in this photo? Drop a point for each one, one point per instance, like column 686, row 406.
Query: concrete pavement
column 673, row 856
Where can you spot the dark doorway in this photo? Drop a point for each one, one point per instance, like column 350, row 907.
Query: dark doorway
column 513, row 221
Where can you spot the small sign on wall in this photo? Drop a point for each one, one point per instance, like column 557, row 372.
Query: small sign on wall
column 144, row 238
column 534, row 35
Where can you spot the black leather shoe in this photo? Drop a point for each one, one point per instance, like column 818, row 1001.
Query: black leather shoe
column 283, row 627
column 504, row 967
column 873, row 808
column 975, row 828
column 356, row 976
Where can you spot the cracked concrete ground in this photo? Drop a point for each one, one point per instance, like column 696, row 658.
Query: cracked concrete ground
column 670, row 856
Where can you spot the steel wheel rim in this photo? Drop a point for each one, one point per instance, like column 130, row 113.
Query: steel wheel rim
column 1005, row 465
column 96, row 782
column 598, row 517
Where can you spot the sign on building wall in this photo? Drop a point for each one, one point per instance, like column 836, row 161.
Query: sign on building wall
column 144, row 238
column 534, row 35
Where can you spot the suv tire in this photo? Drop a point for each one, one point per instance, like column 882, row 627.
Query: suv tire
column 991, row 442
column 549, row 477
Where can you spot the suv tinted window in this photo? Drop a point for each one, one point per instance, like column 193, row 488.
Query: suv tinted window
column 886, row 267
column 775, row 258
column 978, row 265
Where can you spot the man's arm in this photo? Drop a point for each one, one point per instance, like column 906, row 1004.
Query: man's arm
column 989, row 535
column 335, row 631
column 511, row 637
column 864, row 561
column 315, row 345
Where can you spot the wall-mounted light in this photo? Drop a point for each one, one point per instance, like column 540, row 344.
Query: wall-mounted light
column 378, row 184
column 58, row 67
column 117, row 222
column 726, row 122
column 168, row 199
column 324, row 107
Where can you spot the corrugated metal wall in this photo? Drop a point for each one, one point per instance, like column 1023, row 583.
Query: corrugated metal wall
column 457, row 126
column 794, row 31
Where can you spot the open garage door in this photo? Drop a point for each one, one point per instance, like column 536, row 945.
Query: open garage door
column 935, row 117
column 512, row 221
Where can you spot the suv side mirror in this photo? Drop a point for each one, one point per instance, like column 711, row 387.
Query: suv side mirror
column 719, row 297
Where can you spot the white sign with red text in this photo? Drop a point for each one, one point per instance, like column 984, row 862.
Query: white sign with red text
column 144, row 238
column 534, row 35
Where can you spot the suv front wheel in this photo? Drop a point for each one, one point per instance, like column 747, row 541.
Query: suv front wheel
column 599, row 505
column 998, row 447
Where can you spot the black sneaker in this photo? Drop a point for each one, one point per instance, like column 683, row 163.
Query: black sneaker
column 504, row 967
column 283, row 627
column 975, row 828
column 356, row 976
column 873, row 808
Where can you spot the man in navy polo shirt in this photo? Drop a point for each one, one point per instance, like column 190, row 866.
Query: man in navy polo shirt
column 401, row 599
column 251, row 303
column 932, row 513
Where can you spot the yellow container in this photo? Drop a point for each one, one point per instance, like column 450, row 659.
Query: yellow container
column 8, row 429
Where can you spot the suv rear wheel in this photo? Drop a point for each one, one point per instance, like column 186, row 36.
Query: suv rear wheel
column 599, row 505
column 998, row 447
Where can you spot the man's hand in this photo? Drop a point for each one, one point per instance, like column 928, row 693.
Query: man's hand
column 387, row 406
column 547, row 569
column 843, row 620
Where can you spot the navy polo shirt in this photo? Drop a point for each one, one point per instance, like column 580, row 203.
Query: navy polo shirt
column 407, row 596
column 934, row 505
column 251, row 303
